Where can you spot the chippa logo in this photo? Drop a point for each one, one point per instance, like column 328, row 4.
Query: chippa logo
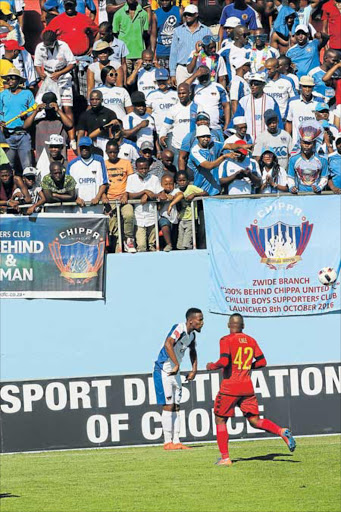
column 280, row 243
column 80, row 255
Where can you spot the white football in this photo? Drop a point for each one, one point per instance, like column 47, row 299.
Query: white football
column 327, row 276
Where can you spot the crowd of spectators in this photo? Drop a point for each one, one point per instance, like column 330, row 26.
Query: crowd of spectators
column 165, row 101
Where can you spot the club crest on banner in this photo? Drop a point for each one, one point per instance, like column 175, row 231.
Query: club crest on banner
column 78, row 253
column 280, row 243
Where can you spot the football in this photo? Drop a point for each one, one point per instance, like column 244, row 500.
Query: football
column 327, row 276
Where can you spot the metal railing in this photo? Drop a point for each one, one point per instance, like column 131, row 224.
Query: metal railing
column 73, row 207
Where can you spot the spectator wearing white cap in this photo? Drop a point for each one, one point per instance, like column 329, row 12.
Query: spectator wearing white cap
column 306, row 54
column 239, row 87
column 30, row 177
column 206, row 156
column 254, row 105
column 190, row 140
column 184, row 39
column 301, row 108
column 278, row 86
column 54, row 153
column 226, row 32
column 239, row 48
column 239, row 131
column 276, row 138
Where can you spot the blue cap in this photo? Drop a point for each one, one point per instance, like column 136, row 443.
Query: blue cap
column 85, row 141
column 320, row 106
column 161, row 74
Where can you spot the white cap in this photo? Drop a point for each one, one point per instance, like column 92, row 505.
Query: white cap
column 238, row 62
column 30, row 171
column 239, row 120
column 203, row 130
column 55, row 140
column 191, row 8
column 258, row 77
column 302, row 27
column 232, row 22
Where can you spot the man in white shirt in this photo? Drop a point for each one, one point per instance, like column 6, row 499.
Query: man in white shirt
column 180, row 119
column 261, row 51
column 239, row 87
column 278, row 86
column 161, row 101
column 300, row 108
column 90, row 174
column 211, row 98
column 276, row 138
column 144, row 73
column 145, row 187
column 237, row 49
column 205, row 55
column 240, row 176
column 138, row 124
column 54, row 59
column 240, row 131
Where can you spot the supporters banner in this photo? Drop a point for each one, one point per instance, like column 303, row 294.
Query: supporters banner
column 121, row 410
column 52, row 256
column 266, row 253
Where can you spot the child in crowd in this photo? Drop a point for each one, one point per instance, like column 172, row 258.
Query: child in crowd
column 168, row 213
column 30, row 178
column 185, row 236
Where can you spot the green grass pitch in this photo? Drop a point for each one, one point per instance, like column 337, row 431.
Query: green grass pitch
column 265, row 477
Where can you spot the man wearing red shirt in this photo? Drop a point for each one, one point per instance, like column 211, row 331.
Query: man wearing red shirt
column 239, row 354
column 331, row 17
column 79, row 32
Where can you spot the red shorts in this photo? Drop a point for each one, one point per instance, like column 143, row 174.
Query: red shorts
column 224, row 405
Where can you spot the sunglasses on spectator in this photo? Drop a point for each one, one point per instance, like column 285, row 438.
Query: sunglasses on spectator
column 209, row 39
column 190, row 14
column 112, row 74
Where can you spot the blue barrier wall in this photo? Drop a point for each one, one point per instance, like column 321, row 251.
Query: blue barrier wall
column 146, row 295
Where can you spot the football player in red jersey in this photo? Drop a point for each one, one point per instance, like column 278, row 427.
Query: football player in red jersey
column 239, row 354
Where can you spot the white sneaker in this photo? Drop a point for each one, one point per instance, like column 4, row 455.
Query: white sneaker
column 73, row 145
column 129, row 245
column 168, row 248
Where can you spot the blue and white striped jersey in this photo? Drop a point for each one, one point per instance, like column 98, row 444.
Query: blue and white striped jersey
column 182, row 341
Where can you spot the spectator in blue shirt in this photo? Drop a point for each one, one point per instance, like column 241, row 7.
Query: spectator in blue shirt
column 238, row 9
column 13, row 102
column 206, row 157
column 183, row 43
column 164, row 22
column 334, row 164
column 306, row 54
column 307, row 171
column 330, row 58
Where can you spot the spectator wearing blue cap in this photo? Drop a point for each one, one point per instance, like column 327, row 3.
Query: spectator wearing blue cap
column 205, row 54
column 279, row 140
column 334, row 166
column 161, row 101
column 326, row 144
column 89, row 172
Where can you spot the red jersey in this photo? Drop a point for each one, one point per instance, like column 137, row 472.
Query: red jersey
column 73, row 30
column 237, row 352
column 332, row 14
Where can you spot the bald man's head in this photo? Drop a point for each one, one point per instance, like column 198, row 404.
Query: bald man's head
column 272, row 67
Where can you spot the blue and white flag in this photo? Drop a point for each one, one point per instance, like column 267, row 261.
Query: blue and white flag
column 266, row 254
